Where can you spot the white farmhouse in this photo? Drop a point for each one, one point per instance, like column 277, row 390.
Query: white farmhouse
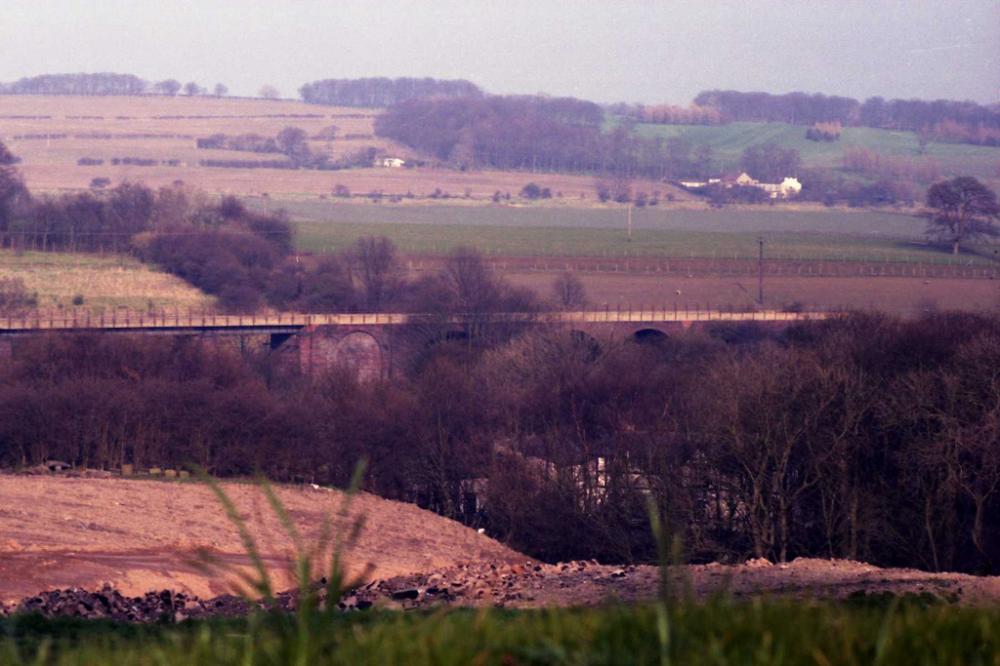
column 390, row 162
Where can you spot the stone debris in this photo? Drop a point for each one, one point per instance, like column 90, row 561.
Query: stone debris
column 529, row 583
column 484, row 584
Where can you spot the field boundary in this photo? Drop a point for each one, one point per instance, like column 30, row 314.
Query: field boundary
column 702, row 266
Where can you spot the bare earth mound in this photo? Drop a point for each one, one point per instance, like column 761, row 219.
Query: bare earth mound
column 142, row 536
column 58, row 532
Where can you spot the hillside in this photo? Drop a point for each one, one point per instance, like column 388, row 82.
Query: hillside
column 52, row 133
column 143, row 535
column 729, row 141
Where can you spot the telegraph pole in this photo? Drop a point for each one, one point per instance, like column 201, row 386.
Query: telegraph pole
column 630, row 223
column 760, row 270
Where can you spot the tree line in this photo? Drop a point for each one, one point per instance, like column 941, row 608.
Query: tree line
column 947, row 120
column 866, row 437
column 381, row 91
column 105, row 83
column 535, row 134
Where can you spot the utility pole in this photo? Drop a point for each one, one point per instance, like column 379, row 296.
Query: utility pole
column 760, row 270
column 630, row 223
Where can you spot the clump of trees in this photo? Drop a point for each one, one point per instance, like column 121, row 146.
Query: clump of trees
column 824, row 131
column 536, row 134
column 104, row 83
column 379, row 92
column 770, row 163
column 535, row 191
column 864, row 437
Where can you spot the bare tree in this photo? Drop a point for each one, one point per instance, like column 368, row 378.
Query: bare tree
column 267, row 91
column 377, row 266
column 220, row 90
column 569, row 291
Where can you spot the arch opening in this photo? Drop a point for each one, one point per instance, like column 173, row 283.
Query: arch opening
column 649, row 336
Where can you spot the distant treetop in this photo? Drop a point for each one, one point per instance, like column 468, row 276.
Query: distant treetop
column 375, row 92
column 965, row 122
column 102, row 83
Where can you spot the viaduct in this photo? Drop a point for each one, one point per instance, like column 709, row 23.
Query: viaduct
column 373, row 343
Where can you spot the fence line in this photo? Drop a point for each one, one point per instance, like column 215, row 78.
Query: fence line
column 688, row 266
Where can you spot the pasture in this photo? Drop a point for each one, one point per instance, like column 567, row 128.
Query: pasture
column 101, row 281
column 816, row 233
column 729, row 141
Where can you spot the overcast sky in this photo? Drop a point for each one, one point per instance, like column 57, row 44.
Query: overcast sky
column 606, row 51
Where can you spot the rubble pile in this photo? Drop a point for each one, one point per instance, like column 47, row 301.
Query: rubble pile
column 106, row 603
column 491, row 584
column 482, row 584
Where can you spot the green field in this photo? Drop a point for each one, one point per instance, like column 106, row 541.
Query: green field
column 729, row 141
column 773, row 633
column 600, row 232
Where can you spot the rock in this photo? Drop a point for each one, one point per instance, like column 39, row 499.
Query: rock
column 411, row 593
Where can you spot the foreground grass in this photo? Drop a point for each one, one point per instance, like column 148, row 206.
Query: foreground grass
column 718, row 632
column 98, row 281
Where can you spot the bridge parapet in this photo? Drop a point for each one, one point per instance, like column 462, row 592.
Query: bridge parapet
column 203, row 321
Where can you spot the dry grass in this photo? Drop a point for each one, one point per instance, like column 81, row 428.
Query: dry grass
column 103, row 281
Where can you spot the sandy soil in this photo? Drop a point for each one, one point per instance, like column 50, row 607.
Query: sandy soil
column 142, row 535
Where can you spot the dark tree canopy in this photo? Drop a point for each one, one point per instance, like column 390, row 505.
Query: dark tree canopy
column 961, row 208
column 376, row 92
column 770, row 162
column 167, row 87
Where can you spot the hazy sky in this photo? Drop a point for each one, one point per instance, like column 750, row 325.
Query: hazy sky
column 606, row 51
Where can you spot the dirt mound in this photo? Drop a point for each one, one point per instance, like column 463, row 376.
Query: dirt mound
column 527, row 584
column 139, row 535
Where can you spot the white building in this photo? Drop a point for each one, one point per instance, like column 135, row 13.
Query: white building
column 390, row 162
column 789, row 187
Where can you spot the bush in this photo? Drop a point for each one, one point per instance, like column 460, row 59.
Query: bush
column 14, row 296
column 533, row 191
